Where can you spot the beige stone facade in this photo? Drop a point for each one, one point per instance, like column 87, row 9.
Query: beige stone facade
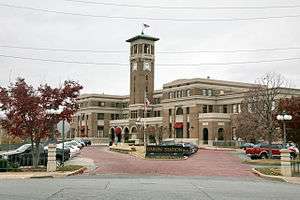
column 197, row 109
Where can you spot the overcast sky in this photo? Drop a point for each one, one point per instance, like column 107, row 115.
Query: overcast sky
column 38, row 29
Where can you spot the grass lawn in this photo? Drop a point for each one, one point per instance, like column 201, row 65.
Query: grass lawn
column 272, row 171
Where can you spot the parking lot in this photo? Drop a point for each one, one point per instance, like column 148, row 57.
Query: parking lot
column 203, row 163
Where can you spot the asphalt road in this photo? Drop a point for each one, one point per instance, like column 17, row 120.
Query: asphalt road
column 142, row 187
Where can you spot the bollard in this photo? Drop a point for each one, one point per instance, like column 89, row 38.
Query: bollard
column 51, row 164
column 286, row 169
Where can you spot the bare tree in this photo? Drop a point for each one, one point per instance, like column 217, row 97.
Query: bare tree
column 260, row 106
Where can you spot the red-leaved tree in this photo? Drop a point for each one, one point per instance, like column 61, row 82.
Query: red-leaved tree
column 26, row 110
column 291, row 106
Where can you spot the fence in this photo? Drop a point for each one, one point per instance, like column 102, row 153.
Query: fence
column 295, row 167
column 230, row 143
column 7, row 147
column 14, row 162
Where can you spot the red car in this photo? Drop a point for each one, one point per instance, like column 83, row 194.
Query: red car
column 261, row 151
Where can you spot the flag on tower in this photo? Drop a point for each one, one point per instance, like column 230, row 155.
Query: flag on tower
column 146, row 26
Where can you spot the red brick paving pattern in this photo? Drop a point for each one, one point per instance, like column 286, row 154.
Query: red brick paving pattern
column 204, row 163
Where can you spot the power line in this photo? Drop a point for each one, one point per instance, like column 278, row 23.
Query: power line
column 149, row 18
column 163, row 64
column 186, row 7
column 163, row 52
column 62, row 50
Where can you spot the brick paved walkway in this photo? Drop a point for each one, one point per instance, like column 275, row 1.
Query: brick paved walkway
column 204, row 163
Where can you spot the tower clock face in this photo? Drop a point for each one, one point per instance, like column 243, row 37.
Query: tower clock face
column 134, row 66
column 147, row 66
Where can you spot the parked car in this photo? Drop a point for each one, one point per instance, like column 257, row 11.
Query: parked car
column 192, row 148
column 87, row 141
column 80, row 140
column 261, row 151
column 74, row 150
column 246, row 145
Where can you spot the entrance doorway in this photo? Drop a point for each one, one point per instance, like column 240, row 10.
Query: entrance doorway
column 179, row 132
column 205, row 136
column 126, row 134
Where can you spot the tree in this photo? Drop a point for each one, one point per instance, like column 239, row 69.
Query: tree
column 291, row 106
column 26, row 110
column 260, row 106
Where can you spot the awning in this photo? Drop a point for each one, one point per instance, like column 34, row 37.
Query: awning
column 178, row 125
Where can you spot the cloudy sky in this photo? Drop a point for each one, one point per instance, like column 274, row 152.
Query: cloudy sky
column 236, row 40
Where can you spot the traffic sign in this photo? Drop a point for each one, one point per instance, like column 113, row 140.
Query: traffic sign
column 61, row 124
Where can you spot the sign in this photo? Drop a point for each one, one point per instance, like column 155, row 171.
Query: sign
column 60, row 126
column 169, row 151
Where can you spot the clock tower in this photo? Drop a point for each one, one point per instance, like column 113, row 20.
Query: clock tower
column 142, row 57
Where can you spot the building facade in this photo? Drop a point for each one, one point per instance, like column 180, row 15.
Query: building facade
column 200, row 110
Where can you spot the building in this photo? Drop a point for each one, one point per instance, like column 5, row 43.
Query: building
column 200, row 110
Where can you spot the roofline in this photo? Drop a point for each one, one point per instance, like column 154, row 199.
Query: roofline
column 147, row 37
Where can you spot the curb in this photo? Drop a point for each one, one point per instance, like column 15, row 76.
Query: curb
column 79, row 171
column 76, row 172
column 217, row 149
column 278, row 178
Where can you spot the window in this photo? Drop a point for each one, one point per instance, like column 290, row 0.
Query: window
column 148, row 114
column 188, row 93
column 188, row 110
column 170, row 112
column 224, row 108
column 152, row 49
column 179, row 111
column 100, row 116
column 135, row 49
column 146, row 89
column 100, row 130
column 209, row 92
column 82, row 117
column 234, row 108
column 239, row 108
column 210, row 108
column 133, row 114
column 101, row 104
column 204, row 93
column 146, row 48
column 204, row 108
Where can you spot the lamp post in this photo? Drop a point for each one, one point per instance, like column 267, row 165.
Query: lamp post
column 284, row 117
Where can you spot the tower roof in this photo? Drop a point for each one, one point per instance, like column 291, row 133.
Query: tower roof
column 142, row 36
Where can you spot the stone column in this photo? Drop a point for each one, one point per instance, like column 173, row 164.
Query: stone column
column 51, row 164
column 286, row 169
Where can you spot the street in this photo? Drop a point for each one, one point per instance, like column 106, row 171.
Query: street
column 203, row 163
column 142, row 187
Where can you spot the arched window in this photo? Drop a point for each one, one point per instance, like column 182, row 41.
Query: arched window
column 179, row 111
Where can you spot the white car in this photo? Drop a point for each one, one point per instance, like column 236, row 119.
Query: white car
column 74, row 151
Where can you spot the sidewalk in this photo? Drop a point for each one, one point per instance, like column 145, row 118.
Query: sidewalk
column 26, row 175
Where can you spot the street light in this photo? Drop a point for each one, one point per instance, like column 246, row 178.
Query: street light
column 284, row 117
